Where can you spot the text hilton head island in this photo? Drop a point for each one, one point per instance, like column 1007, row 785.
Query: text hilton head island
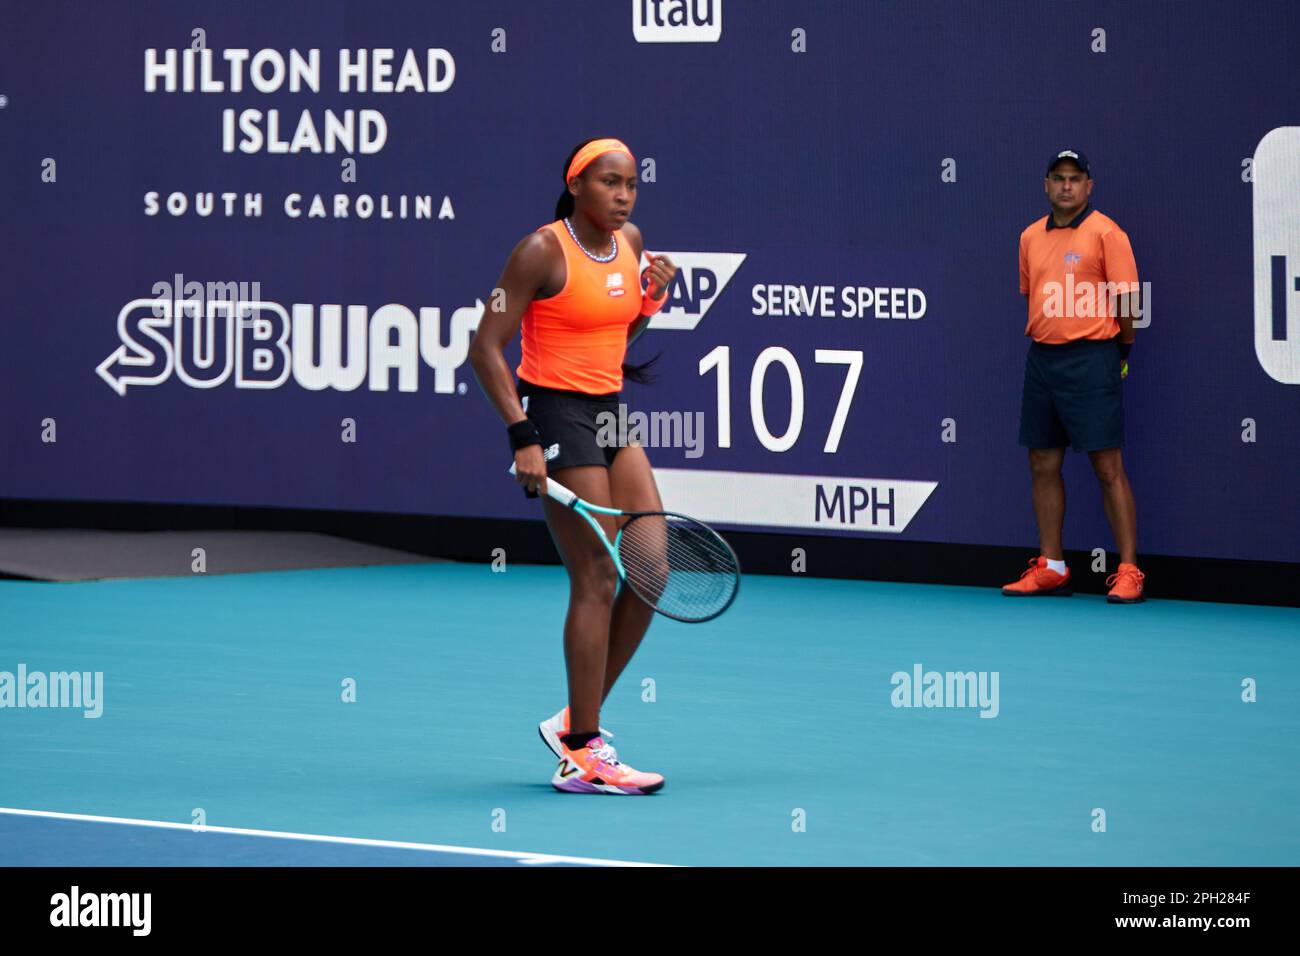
column 270, row 71
column 243, row 75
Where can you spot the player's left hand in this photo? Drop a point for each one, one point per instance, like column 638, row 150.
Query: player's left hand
column 659, row 275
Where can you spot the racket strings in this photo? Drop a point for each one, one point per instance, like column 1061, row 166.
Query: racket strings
column 678, row 565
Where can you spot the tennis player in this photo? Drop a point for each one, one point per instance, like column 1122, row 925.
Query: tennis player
column 1078, row 274
column 573, row 289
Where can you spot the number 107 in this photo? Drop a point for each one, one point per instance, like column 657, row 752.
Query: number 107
column 720, row 359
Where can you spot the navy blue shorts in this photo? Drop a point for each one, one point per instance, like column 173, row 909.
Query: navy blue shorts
column 1073, row 396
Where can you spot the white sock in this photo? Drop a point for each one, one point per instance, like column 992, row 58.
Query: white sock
column 1057, row 566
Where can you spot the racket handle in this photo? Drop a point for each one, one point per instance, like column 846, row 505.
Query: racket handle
column 560, row 493
column 556, row 490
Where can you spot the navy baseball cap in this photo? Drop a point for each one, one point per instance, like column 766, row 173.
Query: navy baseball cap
column 1074, row 156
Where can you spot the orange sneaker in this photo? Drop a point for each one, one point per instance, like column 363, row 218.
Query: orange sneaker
column 596, row 768
column 1040, row 581
column 1126, row 585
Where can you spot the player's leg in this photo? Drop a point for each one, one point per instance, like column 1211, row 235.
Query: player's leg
column 565, row 422
column 593, row 581
column 632, row 488
column 589, row 764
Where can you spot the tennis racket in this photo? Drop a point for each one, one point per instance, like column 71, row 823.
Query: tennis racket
column 679, row 566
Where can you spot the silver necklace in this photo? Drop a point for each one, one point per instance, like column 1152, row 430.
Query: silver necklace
column 590, row 254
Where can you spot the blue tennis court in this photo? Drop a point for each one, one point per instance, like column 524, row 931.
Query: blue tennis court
column 775, row 726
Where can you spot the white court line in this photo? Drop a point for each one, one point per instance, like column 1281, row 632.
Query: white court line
column 522, row 857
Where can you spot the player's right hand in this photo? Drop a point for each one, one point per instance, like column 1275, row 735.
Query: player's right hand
column 530, row 469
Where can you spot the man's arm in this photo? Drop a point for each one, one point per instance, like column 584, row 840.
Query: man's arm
column 1130, row 305
column 1121, row 269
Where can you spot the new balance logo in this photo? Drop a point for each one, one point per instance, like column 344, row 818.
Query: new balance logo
column 566, row 769
column 614, row 279
column 551, row 452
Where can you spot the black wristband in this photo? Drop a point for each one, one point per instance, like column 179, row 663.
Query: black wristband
column 1124, row 349
column 522, row 434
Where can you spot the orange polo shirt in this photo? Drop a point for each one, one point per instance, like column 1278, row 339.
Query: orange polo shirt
column 1072, row 275
column 576, row 339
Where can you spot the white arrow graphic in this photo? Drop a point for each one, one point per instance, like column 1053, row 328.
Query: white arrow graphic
column 131, row 353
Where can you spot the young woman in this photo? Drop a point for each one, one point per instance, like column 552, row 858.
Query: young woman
column 572, row 288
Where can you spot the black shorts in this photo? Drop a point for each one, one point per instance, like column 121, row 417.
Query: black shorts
column 1073, row 396
column 576, row 428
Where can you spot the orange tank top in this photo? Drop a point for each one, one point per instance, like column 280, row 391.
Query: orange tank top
column 576, row 339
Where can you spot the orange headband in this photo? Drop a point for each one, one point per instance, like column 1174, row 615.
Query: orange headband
column 597, row 147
